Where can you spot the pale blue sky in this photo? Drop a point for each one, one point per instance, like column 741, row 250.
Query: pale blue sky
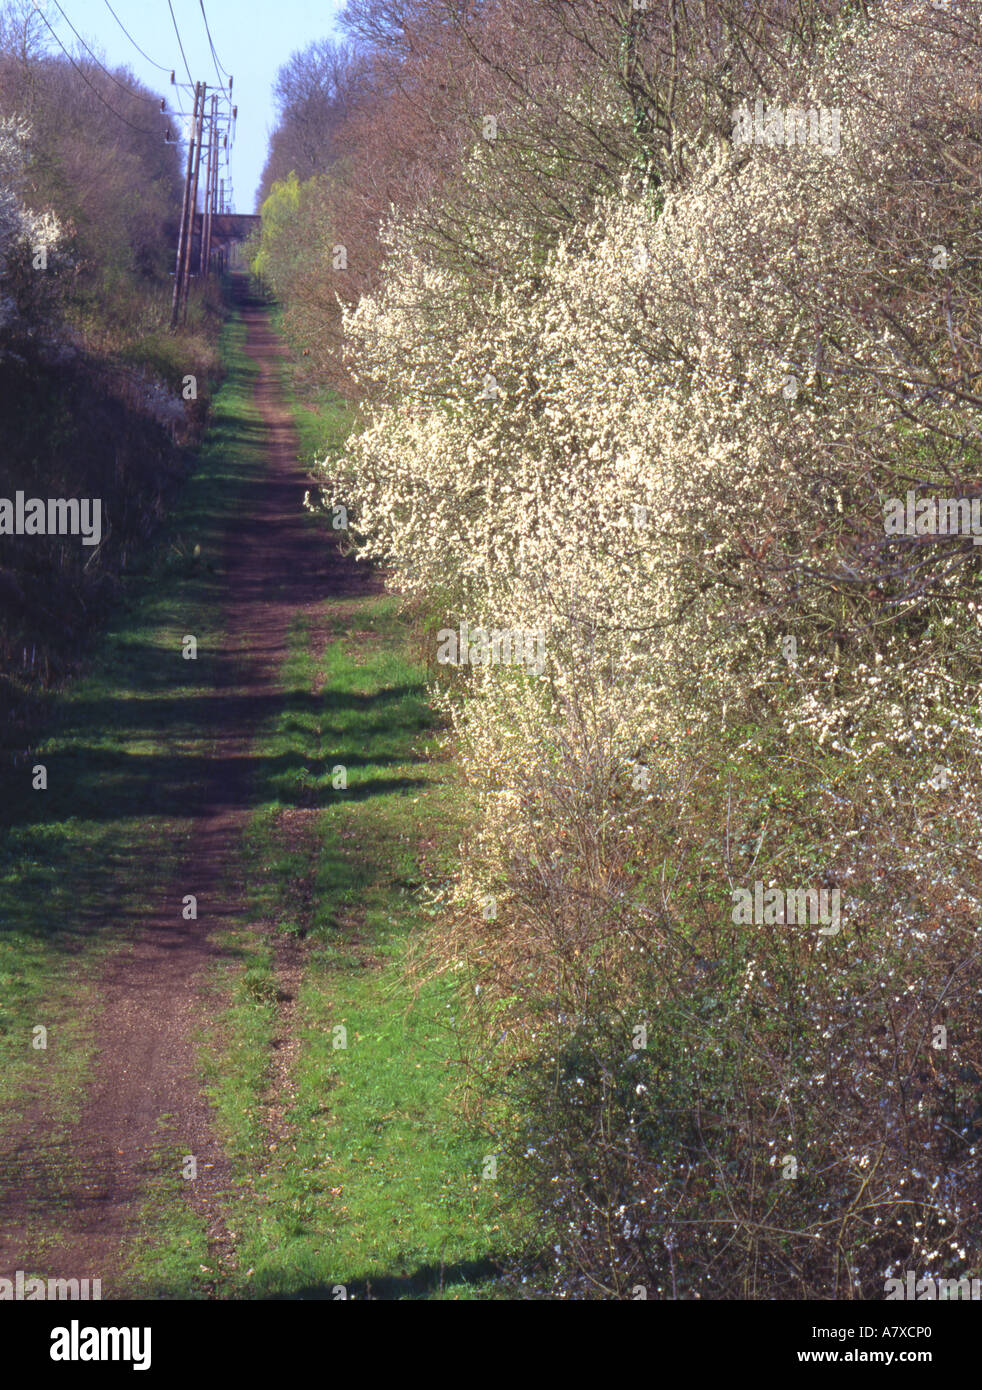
column 252, row 40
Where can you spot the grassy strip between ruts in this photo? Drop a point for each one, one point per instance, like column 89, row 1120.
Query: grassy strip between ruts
column 124, row 747
column 358, row 1176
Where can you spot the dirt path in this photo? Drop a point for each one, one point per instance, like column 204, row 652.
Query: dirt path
column 152, row 996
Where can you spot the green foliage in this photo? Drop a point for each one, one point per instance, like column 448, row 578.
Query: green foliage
column 277, row 251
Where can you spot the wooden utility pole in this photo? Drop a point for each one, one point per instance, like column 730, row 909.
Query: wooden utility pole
column 214, row 206
column 183, row 238
column 193, row 211
column 208, row 207
column 220, row 203
column 214, row 177
column 214, row 193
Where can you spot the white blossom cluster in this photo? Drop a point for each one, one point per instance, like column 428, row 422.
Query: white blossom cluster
column 18, row 225
column 643, row 446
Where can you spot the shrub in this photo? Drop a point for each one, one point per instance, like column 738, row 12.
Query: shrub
column 668, row 445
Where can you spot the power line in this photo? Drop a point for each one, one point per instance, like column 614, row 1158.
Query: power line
column 218, row 67
column 121, row 85
column 219, row 71
column 179, row 43
column 219, row 148
column 184, row 56
column 133, row 40
column 139, row 129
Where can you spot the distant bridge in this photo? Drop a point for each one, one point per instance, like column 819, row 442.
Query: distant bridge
column 228, row 231
column 227, row 227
